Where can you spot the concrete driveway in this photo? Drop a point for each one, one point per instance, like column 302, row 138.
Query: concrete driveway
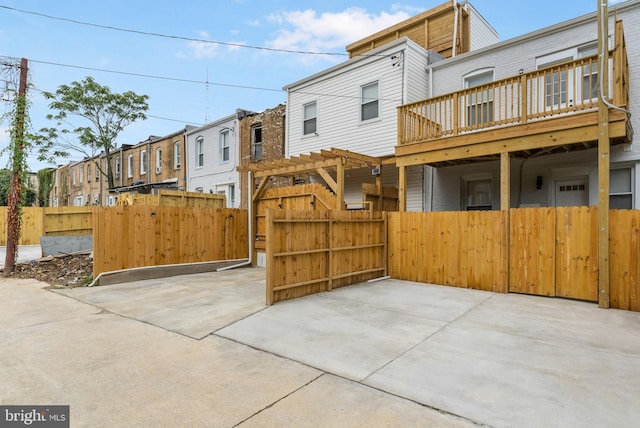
column 389, row 353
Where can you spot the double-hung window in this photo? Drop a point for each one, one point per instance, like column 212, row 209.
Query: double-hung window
column 479, row 101
column 117, row 162
column 621, row 190
column 199, row 152
column 309, row 120
column 158, row 160
column 177, row 156
column 130, row 166
column 478, row 195
column 369, row 102
column 256, row 143
column 143, row 162
column 225, row 151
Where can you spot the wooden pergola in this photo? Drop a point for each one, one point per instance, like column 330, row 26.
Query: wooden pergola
column 323, row 164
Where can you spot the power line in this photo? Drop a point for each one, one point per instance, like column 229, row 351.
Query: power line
column 168, row 36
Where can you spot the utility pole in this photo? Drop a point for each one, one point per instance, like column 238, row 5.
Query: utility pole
column 15, row 190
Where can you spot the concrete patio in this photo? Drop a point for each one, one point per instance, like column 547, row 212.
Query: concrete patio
column 205, row 350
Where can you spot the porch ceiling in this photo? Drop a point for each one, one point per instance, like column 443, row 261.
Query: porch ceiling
column 327, row 160
column 560, row 135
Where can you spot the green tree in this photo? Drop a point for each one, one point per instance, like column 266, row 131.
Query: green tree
column 102, row 116
column 28, row 195
column 45, row 185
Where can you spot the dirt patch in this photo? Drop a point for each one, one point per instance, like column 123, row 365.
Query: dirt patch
column 74, row 270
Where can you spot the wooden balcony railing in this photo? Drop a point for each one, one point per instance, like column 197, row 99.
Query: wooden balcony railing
column 542, row 94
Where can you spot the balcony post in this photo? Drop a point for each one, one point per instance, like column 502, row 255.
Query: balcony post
column 523, row 99
column 456, row 115
column 603, row 158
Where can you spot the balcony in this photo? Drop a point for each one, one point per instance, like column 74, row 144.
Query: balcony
column 547, row 110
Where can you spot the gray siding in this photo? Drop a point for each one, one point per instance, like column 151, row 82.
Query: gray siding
column 482, row 33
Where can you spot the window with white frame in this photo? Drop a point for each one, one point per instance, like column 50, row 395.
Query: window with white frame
column 256, row 143
column 479, row 102
column 177, row 156
column 158, row 160
column 566, row 86
column 369, row 102
column 621, row 189
column 143, row 162
column 477, row 195
column 89, row 173
column 225, row 150
column 81, row 173
column 199, row 151
column 130, row 166
column 117, row 163
column 309, row 119
column 589, row 72
column 73, row 177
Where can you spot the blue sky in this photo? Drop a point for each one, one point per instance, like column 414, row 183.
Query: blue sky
column 324, row 26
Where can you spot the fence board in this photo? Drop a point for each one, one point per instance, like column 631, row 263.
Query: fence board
column 461, row 249
column 532, row 254
column 135, row 236
column 624, row 256
column 577, row 253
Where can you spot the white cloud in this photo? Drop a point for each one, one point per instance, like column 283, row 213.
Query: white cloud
column 202, row 49
column 309, row 31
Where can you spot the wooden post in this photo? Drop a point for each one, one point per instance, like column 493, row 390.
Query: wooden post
column 340, row 189
column 402, row 190
column 603, row 156
column 505, row 206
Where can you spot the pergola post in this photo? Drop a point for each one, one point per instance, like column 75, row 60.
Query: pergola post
column 340, row 187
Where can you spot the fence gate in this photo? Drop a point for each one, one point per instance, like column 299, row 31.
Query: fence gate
column 554, row 252
column 313, row 251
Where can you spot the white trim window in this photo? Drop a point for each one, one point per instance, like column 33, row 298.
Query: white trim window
column 369, row 102
column 88, row 173
column 81, row 173
column 117, row 167
column 225, row 149
column 158, row 160
column 479, row 102
column 143, row 162
column 310, row 119
column 621, row 189
column 177, row 156
column 199, row 151
column 130, row 166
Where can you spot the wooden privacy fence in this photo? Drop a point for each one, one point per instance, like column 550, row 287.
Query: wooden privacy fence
column 313, row 251
column 50, row 221
column 552, row 251
column 174, row 198
column 461, row 249
column 135, row 236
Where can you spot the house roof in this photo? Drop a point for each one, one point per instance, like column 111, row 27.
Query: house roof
column 580, row 20
column 371, row 55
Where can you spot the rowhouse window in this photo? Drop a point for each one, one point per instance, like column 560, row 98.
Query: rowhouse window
column 369, row 102
column 158, row 161
column 88, row 173
column 620, row 190
column 310, row 112
column 176, row 155
column 130, row 166
column 478, row 195
column 224, row 146
column 143, row 162
column 256, row 143
column 479, row 102
column 199, row 152
column 117, row 162
column 589, row 73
